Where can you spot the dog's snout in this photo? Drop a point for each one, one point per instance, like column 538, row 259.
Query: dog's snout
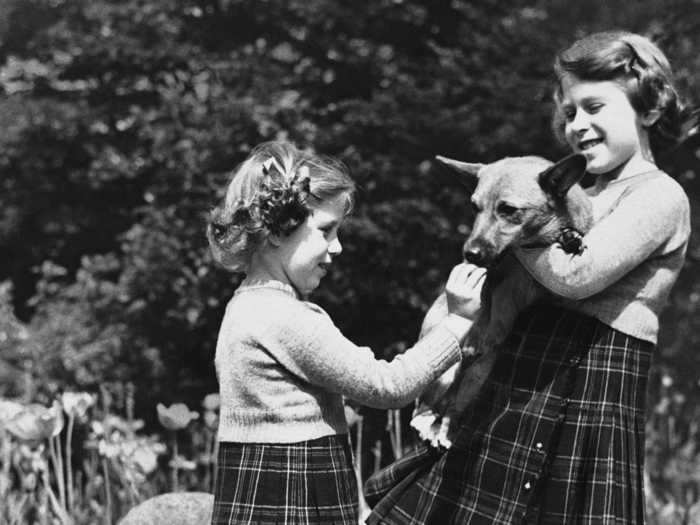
column 474, row 255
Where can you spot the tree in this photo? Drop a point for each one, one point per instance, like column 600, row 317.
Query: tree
column 123, row 120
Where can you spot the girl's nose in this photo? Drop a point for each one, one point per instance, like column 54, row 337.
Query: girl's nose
column 334, row 247
column 580, row 122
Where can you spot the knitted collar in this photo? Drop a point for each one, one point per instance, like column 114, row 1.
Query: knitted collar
column 249, row 285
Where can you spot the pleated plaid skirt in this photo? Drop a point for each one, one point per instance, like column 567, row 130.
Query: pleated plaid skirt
column 556, row 436
column 306, row 483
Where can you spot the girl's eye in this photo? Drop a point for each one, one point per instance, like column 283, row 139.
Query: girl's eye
column 327, row 231
column 594, row 108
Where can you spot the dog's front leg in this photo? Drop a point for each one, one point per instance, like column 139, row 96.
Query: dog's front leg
column 513, row 293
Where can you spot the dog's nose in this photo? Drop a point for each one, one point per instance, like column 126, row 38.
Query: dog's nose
column 474, row 256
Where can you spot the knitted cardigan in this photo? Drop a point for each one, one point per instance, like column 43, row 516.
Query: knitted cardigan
column 284, row 367
column 633, row 254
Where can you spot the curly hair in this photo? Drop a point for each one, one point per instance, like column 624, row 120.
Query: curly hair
column 271, row 193
column 640, row 68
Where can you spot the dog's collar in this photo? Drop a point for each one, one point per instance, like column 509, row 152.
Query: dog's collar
column 570, row 240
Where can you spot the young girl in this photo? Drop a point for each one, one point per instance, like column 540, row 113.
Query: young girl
column 557, row 433
column 283, row 366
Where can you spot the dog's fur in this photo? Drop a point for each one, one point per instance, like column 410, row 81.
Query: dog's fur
column 519, row 202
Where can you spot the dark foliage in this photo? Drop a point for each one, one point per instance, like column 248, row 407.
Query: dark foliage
column 122, row 119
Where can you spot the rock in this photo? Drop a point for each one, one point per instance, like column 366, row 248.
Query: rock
column 172, row 508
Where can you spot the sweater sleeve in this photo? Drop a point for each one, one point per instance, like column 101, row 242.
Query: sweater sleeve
column 648, row 220
column 313, row 348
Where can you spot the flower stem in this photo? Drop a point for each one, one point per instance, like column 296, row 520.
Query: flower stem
column 57, row 461
column 58, row 508
column 69, row 462
column 108, row 491
column 175, row 460
column 215, row 456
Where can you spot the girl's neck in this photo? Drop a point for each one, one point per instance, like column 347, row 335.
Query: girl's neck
column 634, row 166
column 263, row 269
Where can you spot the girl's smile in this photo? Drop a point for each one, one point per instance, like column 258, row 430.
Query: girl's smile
column 600, row 122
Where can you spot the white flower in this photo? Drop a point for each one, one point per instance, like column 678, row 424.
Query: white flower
column 145, row 458
column 8, row 410
column 98, row 429
column 175, row 417
column 108, row 450
column 211, row 402
column 36, row 422
column 77, row 403
column 211, row 419
column 180, row 463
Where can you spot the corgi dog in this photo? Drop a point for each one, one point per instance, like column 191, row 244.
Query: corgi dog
column 518, row 202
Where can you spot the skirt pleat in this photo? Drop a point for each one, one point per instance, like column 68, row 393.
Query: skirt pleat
column 555, row 436
column 306, row 483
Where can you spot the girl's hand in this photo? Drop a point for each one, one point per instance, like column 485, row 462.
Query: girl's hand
column 463, row 290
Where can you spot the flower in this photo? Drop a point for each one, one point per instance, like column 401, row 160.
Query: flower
column 124, row 426
column 8, row 410
column 211, row 402
column 36, row 422
column 211, row 419
column 108, row 449
column 176, row 416
column 180, row 463
column 77, row 403
column 145, row 458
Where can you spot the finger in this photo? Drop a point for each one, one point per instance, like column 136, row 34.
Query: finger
column 476, row 276
column 459, row 274
column 465, row 269
column 472, row 267
column 467, row 274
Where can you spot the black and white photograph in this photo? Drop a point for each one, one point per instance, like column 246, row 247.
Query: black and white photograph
column 322, row 262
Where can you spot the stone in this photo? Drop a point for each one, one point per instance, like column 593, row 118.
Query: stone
column 172, row 508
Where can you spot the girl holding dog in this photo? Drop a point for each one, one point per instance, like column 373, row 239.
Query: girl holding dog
column 557, row 433
column 283, row 366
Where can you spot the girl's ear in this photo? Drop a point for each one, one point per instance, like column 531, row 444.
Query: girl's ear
column 274, row 240
column 650, row 117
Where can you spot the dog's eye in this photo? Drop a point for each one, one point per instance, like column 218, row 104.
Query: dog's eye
column 506, row 210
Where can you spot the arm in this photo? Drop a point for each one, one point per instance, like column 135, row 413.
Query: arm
column 305, row 341
column 356, row 373
column 644, row 221
column 312, row 347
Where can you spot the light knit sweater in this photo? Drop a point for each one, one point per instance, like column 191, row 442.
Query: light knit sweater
column 284, row 367
column 633, row 254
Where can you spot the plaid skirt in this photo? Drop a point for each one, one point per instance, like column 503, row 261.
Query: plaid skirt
column 307, row 483
column 555, row 436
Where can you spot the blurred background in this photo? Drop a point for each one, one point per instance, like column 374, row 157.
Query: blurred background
column 120, row 123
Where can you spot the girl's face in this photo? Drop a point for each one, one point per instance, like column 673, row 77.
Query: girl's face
column 600, row 122
column 305, row 255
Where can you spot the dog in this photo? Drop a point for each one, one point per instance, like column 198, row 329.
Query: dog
column 518, row 202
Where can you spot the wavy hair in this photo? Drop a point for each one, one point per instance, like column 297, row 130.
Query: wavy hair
column 640, row 68
column 271, row 193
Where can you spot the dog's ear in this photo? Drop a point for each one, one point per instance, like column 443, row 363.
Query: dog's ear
column 558, row 178
column 467, row 168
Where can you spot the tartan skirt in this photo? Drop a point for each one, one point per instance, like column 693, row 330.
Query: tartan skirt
column 555, row 436
column 307, row 483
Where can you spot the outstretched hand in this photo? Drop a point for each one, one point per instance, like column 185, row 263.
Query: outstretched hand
column 463, row 290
